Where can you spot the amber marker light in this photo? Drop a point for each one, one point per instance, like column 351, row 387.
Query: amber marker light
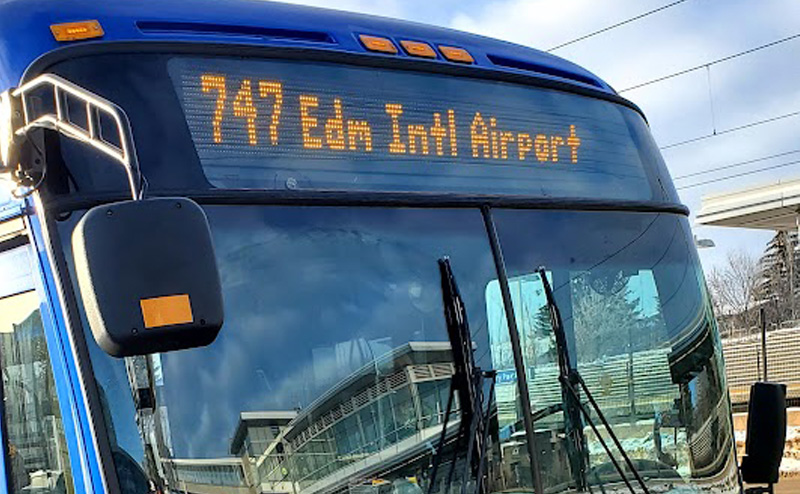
column 456, row 54
column 418, row 49
column 376, row 43
column 166, row 311
column 74, row 31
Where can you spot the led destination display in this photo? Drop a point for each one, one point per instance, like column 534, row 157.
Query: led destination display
column 275, row 124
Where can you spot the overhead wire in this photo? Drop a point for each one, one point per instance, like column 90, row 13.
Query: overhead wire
column 708, row 64
column 734, row 165
column 614, row 26
column 731, row 130
column 738, row 175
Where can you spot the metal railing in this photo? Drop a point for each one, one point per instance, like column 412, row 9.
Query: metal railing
column 58, row 117
column 744, row 363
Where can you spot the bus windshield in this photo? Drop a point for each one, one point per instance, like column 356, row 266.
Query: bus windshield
column 332, row 371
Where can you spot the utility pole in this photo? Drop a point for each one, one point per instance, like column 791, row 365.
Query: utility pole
column 790, row 265
column 764, row 341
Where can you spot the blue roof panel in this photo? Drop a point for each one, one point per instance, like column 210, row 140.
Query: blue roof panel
column 25, row 28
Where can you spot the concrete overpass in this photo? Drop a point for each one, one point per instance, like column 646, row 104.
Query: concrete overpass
column 770, row 207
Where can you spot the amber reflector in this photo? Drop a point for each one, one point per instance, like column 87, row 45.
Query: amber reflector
column 166, row 311
column 376, row 43
column 456, row 54
column 418, row 49
column 73, row 31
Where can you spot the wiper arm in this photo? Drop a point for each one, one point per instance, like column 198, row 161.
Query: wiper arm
column 468, row 382
column 571, row 381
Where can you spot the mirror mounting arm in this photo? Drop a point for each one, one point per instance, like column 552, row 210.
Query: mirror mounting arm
column 18, row 118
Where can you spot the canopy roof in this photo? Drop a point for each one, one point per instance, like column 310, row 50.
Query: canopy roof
column 769, row 207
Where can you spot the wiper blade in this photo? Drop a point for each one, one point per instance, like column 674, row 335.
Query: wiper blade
column 571, row 381
column 468, row 381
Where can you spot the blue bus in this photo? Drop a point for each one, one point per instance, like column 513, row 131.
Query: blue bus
column 246, row 233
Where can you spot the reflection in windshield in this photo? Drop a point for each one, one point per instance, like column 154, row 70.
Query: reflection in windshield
column 333, row 370
column 640, row 334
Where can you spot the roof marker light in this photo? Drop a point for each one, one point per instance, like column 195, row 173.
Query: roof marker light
column 418, row 49
column 379, row 44
column 456, row 54
column 74, row 31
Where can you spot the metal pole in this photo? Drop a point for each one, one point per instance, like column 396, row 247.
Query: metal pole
column 790, row 265
column 764, row 341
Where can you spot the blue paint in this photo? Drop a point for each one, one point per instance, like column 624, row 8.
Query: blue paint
column 82, row 452
column 25, row 25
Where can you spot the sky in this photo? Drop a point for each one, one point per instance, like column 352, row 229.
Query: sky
column 694, row 32
column 747, row 89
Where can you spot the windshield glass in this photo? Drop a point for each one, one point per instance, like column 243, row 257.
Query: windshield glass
column 332, row 371
column 639, row 332
column 252, row 123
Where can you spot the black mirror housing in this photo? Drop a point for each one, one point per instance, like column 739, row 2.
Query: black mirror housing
column 766, row 433
column 148, row 276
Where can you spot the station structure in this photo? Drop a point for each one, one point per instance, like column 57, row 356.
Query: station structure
column 774, row 207
column 768, row 207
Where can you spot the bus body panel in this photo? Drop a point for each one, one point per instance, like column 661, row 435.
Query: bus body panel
column 25, row 25
column 74, row 412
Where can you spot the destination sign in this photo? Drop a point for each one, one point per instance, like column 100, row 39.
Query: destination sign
column 259, row 104
column 276, row 124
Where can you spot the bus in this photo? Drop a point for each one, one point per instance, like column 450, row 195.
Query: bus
column 262, row 248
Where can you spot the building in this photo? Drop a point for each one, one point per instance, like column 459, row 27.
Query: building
column 376, row 427
column 383, row 416
column 770, row 207
column 32, row 416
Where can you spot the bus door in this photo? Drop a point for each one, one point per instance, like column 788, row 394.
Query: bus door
column 35, row 455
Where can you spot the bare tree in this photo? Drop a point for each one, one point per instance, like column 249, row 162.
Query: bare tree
column 734, row 289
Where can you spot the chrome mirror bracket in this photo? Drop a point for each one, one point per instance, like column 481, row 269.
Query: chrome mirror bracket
column 45, row 103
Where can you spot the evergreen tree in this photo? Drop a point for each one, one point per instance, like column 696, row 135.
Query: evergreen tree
column 538, row 339
column 608, row 321
column 543, row 336
column 780, row 279
column 542, row 327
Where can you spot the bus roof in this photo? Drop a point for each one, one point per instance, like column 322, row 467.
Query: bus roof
column 25, row 27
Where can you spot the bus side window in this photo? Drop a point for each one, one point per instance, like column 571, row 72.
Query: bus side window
column 35, row 448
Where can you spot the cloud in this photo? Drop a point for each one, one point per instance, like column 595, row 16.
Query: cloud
column 750, row 88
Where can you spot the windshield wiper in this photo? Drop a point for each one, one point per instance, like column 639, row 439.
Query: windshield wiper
column 571, row 382
column 468, row 381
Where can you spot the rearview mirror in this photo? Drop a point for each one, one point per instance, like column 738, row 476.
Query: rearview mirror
column 766, row 433
column 148, row 276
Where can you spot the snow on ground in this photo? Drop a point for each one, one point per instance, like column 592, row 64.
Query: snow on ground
column 790, row 466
